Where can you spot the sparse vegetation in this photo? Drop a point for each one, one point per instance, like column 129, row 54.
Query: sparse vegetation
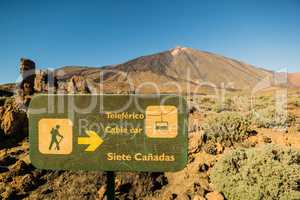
column 205, row 103
column 270, row 118
column 297, row 103
column 268, row 172
column 294, row 100
column 227, row 105
column 227, row 128
column 262, row 102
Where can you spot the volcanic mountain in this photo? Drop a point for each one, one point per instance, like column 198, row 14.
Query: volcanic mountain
column 177, row 70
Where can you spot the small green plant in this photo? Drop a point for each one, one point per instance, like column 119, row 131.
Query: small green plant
column 294, row 100
column 227, row 105
column 227, row 128
column 262, row 102
column 205, row 103
column 297, row 103
column 206, row 99
column 264, row 173
column 270, row 118
column 298, row 128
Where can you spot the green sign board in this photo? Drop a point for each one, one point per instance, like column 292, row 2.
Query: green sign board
column 108, row 132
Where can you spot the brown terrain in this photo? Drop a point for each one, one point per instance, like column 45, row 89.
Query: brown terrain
column 294, row 79
column 186, row 67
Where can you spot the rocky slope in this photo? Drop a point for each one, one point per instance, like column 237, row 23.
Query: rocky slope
column 186, row 66
column 177, row 70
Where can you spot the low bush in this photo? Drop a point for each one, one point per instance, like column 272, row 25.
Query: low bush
column 297, row 103
column 268, row 172
column 227, row 105
column 227, row 128
column 262, row 102
column 205, row 103
column 294, row 100
column 270, row 118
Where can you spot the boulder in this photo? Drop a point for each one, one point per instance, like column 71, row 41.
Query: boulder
column 26, row 183
column 195, row 141
column 197, row 197
column 210, row 148
column 19, row 168
column 13, row 120
column 101, row 192
column 214, row 196
column 219, row 148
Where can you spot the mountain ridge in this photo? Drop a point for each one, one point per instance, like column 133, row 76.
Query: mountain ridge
column 175, row 70
column 182, row 65
column 180, row 69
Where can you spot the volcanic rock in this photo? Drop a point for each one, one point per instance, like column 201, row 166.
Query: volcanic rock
column 13, row 120
column 78, row 84
column 214, row 196
column 27, row 71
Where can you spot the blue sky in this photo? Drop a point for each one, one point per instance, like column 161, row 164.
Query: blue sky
column 96, row 33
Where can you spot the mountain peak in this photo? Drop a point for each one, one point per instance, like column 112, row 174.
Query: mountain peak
column 177, row 50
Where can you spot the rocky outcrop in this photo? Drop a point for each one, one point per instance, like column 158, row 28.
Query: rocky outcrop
column 13, row 121
column 40, row 81
column 26, row 87
column 27, row 72
column 78, row 84
column 34, row 81
column 45, row 81
column 195, row 141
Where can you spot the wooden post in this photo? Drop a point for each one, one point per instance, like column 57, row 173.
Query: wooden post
column 110, row 185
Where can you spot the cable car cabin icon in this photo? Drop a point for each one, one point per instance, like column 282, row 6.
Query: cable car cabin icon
column 161, row 121
column 161, row 125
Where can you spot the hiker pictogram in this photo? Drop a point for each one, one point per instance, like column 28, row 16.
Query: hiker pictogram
column 56, row 138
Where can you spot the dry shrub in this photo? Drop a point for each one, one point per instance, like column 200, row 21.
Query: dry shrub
column 262, row 102
column 270, row 118
column 268, row 172
column 227, row 128
column 227, row 105
column 297, row 103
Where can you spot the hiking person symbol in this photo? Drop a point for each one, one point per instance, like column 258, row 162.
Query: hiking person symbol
column 54, row 138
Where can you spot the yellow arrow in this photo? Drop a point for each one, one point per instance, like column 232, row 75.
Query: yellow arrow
column 93, row 140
